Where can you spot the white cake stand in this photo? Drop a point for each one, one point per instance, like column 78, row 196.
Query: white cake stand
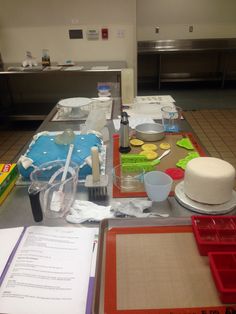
column 201, row 208
column 77, row 107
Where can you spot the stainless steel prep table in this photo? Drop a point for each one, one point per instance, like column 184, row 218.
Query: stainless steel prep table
column 16, row 210
column 31, row 94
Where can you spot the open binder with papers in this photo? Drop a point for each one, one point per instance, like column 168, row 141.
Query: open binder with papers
column 46, row 269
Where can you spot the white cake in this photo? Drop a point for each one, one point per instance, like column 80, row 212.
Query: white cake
column 209, row 180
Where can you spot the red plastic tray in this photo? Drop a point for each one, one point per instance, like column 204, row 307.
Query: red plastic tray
column 215, row 233
column 223, row 268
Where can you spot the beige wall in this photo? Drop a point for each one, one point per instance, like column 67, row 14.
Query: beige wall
column 36, row 24
column 210, row 19
column 33, row 25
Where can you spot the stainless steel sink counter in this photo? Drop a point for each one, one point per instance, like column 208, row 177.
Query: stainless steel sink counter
column 31, row 93
column 98, row 66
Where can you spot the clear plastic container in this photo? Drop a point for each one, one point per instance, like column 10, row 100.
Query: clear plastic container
column 46, row 180
column 223, row 268
column 214, row 233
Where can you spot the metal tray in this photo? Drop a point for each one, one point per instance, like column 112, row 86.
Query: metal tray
column 107, row 224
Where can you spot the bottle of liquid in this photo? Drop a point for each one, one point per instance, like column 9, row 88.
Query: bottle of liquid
column 124, row 133
column 45, row 58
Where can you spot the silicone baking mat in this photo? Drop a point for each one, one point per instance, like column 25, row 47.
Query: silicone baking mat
column 169, row 161
column 157, row 270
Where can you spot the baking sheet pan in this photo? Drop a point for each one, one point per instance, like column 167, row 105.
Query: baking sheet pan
column 169, row 161
column 152, row 266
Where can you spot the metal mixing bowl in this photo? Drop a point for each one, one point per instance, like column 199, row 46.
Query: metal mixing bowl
column 150, row 132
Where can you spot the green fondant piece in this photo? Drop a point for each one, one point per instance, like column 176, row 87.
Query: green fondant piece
column 182, row 163
column 185, row 143
column 133, row 167
column 127, row 158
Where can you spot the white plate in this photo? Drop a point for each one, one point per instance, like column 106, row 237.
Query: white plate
column 203, row 208
column 74, row 102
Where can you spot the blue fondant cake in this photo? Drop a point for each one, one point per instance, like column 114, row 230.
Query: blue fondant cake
column 44, row 149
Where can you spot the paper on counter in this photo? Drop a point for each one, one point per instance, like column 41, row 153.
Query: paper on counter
column 133, row 122
column 154, row 99
column 50, row 272
column 100, row 67
column 152, row 110
column 8, row 239
column 82, row 211
column 74, row 68
column 52, row 68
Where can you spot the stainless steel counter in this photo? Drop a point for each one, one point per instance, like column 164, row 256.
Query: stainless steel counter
column 16, row 210
column 112, row 66
column 30, row 94
column 204, row 44
column 186, row 60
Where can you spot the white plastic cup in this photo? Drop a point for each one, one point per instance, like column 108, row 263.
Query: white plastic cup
column 157, row 185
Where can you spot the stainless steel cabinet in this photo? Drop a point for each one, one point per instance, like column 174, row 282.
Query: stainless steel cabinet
column 186, row 60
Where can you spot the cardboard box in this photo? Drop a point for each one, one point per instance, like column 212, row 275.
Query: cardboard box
column 8, row 176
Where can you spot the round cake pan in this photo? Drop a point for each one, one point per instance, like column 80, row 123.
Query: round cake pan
column 150, row 132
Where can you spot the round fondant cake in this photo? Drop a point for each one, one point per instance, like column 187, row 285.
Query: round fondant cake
column 44, row 148
column 209, row 180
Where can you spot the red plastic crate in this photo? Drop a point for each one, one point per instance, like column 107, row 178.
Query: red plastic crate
column 214, row 233
column 223, row 268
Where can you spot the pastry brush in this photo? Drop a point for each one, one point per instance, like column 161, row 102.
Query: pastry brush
column 96, row 183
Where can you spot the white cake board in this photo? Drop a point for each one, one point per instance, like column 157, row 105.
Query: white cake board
column 201, row 208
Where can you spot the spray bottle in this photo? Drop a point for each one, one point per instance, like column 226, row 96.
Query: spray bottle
column 124, row 133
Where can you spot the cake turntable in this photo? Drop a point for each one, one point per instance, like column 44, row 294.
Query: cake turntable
column 201, row 208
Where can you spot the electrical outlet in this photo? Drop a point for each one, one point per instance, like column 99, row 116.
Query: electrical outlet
column 190, row 28
column 120, row 33
column 157, row 29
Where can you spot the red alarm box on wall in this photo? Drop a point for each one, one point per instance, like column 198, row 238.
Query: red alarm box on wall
column 104, row 33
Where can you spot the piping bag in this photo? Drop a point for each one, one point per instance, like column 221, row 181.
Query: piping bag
column 58, row 196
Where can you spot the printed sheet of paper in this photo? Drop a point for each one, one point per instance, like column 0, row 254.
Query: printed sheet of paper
column 8, row 240
column 50, row 272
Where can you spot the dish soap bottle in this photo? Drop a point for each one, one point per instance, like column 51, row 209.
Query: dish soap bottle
column 124, row 133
